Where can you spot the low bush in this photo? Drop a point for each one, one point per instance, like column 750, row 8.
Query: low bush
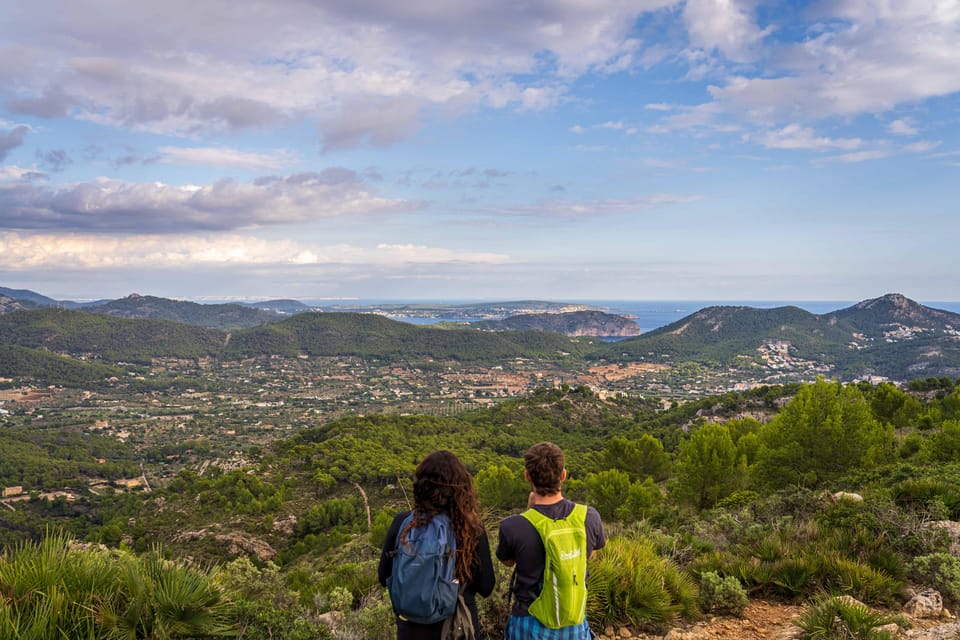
column 631, row 583
column 722, row 595
column 940, row 571
column 54, row 589
column 832, row 618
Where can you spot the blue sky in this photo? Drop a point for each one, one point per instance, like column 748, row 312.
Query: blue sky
column 552, row 149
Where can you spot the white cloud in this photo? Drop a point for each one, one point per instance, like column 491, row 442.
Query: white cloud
column 411, row 253
column 858, row 156
column 15, row 173
column 723, row 25
column 24, row 252
column 225, row 157
column 594, row 208
column 922, row 147
column 867, row 56
column 794, row 136
column 164, row 70
column 709, row 116
column 903, row 127
column 610, row 125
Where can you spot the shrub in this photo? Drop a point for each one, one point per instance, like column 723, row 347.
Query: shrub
column 918, row 493
column 794, row 577
column 373, row 620
column 260, row 620
column 55, row 590
column 722, row 595
column 940, row 571
column 845, row 575
column 843, row 617
column 630, row 582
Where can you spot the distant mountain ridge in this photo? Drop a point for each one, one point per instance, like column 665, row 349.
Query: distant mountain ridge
column 574, row 323
column 890, row 336
column 115, row 339
column 230, row 315
column 216, row 316
column 34, row 298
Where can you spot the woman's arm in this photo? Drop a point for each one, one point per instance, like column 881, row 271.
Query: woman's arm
column 485, row 579
column 385, row 568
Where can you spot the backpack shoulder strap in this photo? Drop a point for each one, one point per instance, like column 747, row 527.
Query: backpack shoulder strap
column 537, row 519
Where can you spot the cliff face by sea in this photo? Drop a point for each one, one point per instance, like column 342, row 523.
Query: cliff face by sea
column 575, row 323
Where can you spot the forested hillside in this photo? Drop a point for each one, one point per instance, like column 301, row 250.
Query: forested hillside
column 216, row 316
column 733, row 490
column 366, row 335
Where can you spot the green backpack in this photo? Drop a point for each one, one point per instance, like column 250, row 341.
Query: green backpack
column 563, row 599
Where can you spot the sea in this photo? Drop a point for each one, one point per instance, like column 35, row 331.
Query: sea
column 652, row 314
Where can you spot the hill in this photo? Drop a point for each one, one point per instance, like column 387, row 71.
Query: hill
column 318, row 334
column 371, row 335
column 105, row 337
column 216, row 316
column 49, row 368
column 890, row 336
column 574, row 323
column 33, row 298
column 225, row 316
column 8, row 304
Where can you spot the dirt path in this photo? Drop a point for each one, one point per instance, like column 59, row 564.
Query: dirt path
column 761, row 621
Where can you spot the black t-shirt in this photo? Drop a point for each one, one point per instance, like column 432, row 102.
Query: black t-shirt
column 482, row 581
column 520, row 542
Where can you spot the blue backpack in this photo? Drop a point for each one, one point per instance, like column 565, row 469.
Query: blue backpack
column 422, row 585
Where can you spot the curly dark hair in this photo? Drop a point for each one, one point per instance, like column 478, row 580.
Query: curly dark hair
column 442, row 484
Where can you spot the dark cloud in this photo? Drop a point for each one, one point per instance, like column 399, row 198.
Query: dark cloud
column 51, row 103
column 237, row 113
column 12, row 139
column 55, row 160
column 120, row 207
column 378, row 122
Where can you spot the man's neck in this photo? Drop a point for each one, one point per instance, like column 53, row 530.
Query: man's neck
column 552, row 498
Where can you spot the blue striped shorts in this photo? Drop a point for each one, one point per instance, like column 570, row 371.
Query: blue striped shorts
column 529, row 628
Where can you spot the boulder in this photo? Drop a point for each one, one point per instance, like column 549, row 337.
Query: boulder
column 926, row 604
column 846, row 495
column 331, row 620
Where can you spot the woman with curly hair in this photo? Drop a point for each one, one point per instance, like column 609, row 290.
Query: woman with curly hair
column 443, row 485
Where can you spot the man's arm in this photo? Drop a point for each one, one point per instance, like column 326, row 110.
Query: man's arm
column 504, row 553
column 596, row 537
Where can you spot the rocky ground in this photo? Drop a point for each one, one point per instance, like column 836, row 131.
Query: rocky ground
column 774, row 621
column 761, row 620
